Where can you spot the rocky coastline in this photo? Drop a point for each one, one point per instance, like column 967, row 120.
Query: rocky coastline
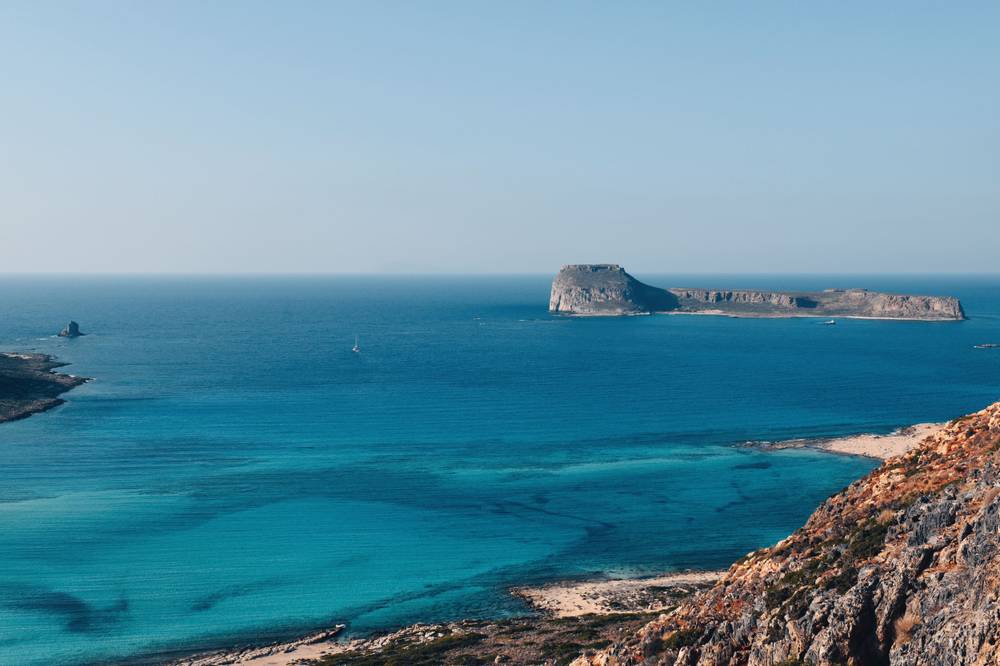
column 608, row 290
column 900, row 569
column 28, row 384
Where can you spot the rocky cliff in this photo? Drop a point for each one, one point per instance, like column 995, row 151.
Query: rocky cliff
column 900, row 568
column 606, row 289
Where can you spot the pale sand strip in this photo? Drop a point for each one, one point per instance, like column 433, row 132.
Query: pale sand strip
column 606, row 597
column 881, row 446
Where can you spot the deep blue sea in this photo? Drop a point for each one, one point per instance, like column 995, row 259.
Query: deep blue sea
column 236, row 474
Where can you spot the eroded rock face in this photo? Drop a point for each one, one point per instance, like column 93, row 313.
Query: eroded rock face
column 901, row 568
column 606, row 289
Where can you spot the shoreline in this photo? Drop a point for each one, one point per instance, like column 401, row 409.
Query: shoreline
column 778, row 315
column 29, row 385
column 563, row 608
column 866, row 445
column 566, row 605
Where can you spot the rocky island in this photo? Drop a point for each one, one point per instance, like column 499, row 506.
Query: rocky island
column 28, row 385
column 607, row 290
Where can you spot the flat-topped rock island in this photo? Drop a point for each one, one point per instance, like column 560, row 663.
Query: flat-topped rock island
column 607, row 290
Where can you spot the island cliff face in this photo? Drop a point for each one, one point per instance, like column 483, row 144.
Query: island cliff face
column 900, row 568
column 606, row 289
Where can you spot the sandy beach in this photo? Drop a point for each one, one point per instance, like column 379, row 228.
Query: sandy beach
column 627, row 595
column 880, row 447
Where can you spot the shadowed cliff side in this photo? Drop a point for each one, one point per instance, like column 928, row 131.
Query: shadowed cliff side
column 606, row 289
column 900, row 568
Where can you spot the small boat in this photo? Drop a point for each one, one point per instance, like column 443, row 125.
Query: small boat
column 356, row 348
column 987, row 345
column 830, row 322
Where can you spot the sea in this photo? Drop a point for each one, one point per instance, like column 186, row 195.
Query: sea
column 234, row 474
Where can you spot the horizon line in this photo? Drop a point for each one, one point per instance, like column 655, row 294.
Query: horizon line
column 85, row 274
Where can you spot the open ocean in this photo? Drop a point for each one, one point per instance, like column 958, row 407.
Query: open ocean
column 236, row 474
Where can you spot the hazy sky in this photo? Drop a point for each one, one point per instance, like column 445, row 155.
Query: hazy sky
column 499, row 136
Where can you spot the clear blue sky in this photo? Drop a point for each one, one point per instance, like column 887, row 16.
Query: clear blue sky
column 499, row 137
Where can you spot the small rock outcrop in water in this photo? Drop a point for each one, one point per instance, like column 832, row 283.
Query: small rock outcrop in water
column 72, row 330
column 606, row 289
column 902, row 568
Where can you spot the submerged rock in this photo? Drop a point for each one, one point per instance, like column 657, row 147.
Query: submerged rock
column 72, row 330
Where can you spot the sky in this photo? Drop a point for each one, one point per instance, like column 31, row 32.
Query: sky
column 499, row 137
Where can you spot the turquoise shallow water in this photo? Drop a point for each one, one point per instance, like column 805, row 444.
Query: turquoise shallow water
column 236, row 474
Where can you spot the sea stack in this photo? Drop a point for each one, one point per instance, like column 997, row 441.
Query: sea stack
column 607, row 290
column 72, row 330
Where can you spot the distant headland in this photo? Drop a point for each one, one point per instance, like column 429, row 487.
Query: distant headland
column 607, row 290
column 28, row 385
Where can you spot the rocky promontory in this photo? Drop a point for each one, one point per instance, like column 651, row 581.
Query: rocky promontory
column 902, row 568
column 28, row 385
column 607, row 289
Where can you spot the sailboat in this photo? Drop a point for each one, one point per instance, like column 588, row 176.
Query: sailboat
column 356, row 348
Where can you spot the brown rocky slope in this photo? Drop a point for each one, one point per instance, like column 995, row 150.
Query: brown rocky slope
column 901, row 567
